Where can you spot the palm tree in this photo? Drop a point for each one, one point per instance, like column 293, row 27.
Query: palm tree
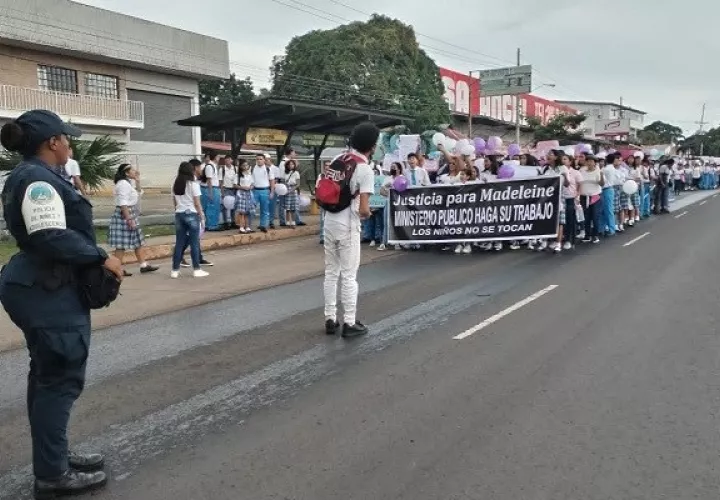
column 98, row 159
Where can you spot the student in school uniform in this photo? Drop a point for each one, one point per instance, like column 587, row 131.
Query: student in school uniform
column 229, row 175
column 610, row 197
column 211, row 195
column 292, row 182
column 244, row 199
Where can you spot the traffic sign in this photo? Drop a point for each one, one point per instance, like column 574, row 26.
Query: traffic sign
column 506, row 81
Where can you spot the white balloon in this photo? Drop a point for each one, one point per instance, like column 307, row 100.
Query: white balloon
column 570, row 151
column 630, row 187
column 450, row 143
column 464, row 142
column 438, row 139
column 304, row 201
column 281, row 189
column 467, row 150
column 229, row 202
column 638, row 154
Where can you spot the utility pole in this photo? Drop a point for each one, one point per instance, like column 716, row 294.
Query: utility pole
column 517, row 109
column 470, row 111
column 702, row 124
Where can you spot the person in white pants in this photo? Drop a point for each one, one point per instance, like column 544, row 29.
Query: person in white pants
column 342, row 238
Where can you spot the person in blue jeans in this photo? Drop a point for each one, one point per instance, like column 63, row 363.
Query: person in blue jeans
column 189, row 217
column 264, row 182
column 197, row 168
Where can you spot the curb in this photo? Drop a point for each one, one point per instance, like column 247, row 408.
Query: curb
column 155, row 252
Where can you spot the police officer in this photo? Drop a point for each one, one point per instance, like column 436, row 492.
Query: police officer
column 53, row 227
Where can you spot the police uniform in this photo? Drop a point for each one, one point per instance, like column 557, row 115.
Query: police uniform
column 53, row 227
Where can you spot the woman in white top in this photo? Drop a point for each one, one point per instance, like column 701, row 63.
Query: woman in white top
column 292, row 182
column 244, row 202
column 591, row 188
column 124, row 231
column 189, row 217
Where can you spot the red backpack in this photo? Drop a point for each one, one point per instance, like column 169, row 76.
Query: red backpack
column 333, row 190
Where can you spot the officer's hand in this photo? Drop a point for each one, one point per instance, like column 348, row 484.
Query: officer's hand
column 365, row 215
column 114, row 265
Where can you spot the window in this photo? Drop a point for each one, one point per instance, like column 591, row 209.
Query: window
column 57, row 79
column 101, row 86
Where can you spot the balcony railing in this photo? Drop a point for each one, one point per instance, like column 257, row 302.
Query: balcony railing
column 80, row 109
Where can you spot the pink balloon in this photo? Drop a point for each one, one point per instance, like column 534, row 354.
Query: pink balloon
column 400, row 184
column 513, row 150
column 494, row 144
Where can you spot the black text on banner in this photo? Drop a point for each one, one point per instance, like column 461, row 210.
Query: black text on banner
column 494, row 211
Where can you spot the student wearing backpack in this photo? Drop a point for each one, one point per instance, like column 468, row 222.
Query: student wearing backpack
column 344, row 193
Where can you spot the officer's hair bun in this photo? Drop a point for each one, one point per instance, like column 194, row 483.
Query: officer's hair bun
column 12, row 136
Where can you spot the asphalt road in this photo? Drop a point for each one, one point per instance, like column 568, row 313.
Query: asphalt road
column 515, row 376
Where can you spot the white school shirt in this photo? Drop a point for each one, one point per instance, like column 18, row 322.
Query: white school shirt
column 696, row 173
column 262, row 177
column 277, row 173
column 421, row 177
column 590, row 185
column 449, row 179
column 125, row 194
column 72, row 168
column 186, row 202
column 211, row 173
column 245, row 181
column 361, row 182
column 292, row 178
column 230, row 177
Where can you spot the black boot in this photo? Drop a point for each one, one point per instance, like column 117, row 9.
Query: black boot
column 356, row 330
column 69, row 484
column 91, row 462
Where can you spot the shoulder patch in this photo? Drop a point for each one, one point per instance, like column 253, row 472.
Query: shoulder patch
column 42, row 208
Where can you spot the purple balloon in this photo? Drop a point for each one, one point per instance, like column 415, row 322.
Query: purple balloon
column 506, row 172
column 400, row 184
column 494, row 144
column 513, row 150
column 479, row 143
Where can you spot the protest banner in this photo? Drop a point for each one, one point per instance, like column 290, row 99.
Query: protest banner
column 377, row 200
column 495, row 211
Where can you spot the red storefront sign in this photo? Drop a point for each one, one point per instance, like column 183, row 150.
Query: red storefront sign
column 462, row 94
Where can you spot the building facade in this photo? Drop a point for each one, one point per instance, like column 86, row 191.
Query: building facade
column 109, row 74
column 609, row 121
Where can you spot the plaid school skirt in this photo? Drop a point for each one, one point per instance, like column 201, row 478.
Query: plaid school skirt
column 120, row 236
column 245, row 202
column 291, row 200
column 622, row 200
column 635, row 200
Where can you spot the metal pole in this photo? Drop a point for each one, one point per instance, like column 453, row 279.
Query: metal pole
column 470, row 116
column 517, row 109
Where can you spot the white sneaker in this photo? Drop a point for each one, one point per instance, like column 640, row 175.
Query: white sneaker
column 543, row 246
column 459, row 249
column 515, row 245
column 557, row 248
column 498, row 246
column 486, row 246
column 531, row 245
column 631, row 222
column 637, row 219
column 567, row 246
column 174, row 274
column 372, row 244
column 381, row 247
column 467, row 249
column 199, row 273
column 581, row 235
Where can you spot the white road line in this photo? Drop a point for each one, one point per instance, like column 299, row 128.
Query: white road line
column 632, row 242
column 714, row 196
column 703, row 202
column 504, row 312
column 681, row 215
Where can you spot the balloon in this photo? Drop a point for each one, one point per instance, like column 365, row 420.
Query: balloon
column 630, row 187
column 463, row 142
column 494, row 143
column 638, row 154
column 467, row 150
column 586, row 149
column 202, row 230
column 570, row 150
column 438, row 139
column 654, row 153
column 507, row 170
column 281, row 189
column 479, row 143
column 229, row 202
column 513, row 150
column 400, row 184
column 304, row 201
column 450, row 143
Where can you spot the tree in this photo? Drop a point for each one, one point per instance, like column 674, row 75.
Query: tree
column 217, row 93
column 660, row 133
column 705, row 143
column 562, row 127
column 376, row 64
column 98, row 159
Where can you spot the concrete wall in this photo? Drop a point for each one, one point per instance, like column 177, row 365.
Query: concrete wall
column 72, row 28
column 460, row 123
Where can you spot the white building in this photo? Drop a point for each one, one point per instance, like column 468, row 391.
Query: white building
column 609, row 121
column 109, row 74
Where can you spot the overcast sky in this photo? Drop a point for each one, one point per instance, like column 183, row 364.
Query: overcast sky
column 662, row 60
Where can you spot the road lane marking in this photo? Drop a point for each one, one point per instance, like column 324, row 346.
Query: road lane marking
column 703, row 202
column 715, row 196
column 504, row 312
column 632, row 242
column 682, row 214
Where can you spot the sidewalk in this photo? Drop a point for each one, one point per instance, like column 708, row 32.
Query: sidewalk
column 263, row 266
